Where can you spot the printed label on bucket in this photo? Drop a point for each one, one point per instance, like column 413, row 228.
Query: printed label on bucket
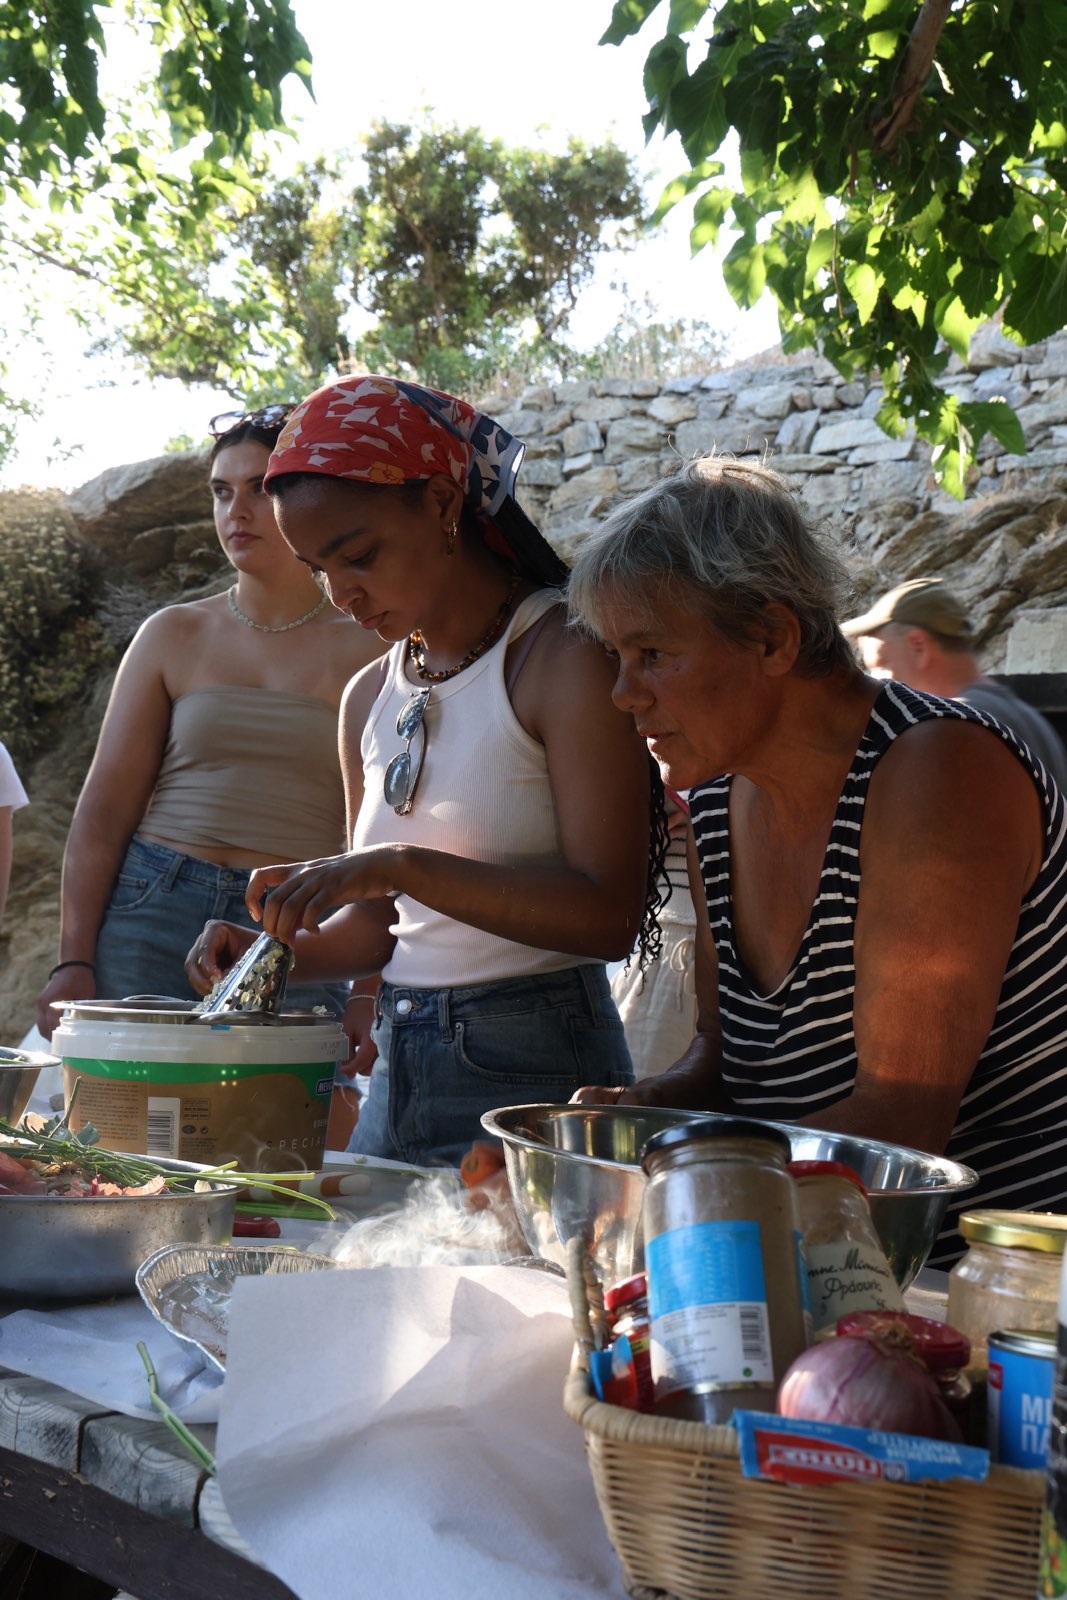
column 266, row 1118
column 708, row 1305
column 162, row 1124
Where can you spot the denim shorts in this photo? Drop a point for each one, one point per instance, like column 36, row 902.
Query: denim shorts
column 159, row 904
column 445, row 1056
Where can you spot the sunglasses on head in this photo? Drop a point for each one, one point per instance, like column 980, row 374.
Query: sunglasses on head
column 402, row 773
column 267, row 417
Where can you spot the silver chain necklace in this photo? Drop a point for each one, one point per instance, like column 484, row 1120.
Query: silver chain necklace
column 265, row 627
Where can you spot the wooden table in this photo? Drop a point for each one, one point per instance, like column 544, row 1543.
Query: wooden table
column 118, row 1497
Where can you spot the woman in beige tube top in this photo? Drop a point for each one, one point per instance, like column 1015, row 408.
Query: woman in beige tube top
column 218, row 753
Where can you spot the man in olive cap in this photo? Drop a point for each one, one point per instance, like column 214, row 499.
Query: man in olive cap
column 921, row 634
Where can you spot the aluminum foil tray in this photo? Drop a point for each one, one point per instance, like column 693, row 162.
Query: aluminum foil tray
column 189, row 1289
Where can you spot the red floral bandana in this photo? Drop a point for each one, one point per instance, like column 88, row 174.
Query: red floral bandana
column 385, row 431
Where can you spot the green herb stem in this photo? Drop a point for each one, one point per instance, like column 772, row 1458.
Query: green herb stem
column 200, row 1452
column 131, row 1172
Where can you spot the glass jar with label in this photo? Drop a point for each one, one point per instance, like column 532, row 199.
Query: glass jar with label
column 847, row 1268
column 726, row 1282
column 1009, row 1277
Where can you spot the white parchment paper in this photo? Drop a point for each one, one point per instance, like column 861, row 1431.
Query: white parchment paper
column 399, row 1430
column 92, row 1351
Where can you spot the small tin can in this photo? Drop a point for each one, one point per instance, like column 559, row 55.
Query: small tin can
column 1021, row 1370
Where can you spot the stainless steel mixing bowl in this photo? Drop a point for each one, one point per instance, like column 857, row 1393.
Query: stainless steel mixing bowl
column 19, row 1070
column 575, row 1170
column 56, row 1247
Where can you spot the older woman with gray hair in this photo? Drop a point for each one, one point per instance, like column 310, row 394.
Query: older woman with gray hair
column 880, row 874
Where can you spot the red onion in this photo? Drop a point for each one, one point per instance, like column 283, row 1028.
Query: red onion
column 867, row 1381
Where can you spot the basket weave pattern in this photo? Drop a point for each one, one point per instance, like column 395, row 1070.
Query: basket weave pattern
column 685, row 1523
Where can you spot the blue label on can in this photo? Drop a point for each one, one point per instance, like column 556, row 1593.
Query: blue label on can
column 1020, row 1399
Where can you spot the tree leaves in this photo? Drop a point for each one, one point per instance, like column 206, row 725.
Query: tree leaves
column 1038, row 304
column 137, row 182
column 863, row 284
column 452, row 254
column 884, row 248
column 627, row 18
column 461, row 241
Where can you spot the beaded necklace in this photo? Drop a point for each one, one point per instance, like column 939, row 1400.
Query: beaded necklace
column 417, row 644
column 265, row 627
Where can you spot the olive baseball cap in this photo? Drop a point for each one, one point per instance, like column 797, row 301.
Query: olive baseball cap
column 922, row 603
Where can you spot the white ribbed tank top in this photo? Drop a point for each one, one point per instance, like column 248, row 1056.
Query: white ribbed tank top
column 483, row 793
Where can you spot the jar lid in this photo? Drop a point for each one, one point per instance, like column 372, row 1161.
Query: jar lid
column 712, row 1128
column 826, row 1169
column 620, row 1294
column 1027, row 1230
column 942, row 1347
column 1024, row 1342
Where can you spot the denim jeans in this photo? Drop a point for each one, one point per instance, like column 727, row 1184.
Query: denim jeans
column 160, row 901
column 445, row 1056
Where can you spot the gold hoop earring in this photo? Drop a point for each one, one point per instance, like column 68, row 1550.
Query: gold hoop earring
column 451, row 532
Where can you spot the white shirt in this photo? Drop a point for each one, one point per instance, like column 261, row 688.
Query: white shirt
column 483, row 793
column 11, row 791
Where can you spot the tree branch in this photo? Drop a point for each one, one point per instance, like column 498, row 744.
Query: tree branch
column 922, row 47
column 37, row 253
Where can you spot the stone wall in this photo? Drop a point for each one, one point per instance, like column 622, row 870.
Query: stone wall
column 1004, row 549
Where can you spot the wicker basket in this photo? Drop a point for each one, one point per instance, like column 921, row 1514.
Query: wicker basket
column 687, row 1525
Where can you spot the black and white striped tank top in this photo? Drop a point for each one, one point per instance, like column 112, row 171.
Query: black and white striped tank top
column 791, row 1053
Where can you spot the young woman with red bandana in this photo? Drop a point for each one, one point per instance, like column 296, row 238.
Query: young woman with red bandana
column 499, row 806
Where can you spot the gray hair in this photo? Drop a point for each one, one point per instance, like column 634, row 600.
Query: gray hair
column 728, row 538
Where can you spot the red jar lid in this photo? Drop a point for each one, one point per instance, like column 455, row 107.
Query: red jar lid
column 942, row 1347
column 620, row 1294
column 826, row 1169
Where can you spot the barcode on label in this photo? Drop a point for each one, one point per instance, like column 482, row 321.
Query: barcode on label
column 753, row 1346
column 161, row 1135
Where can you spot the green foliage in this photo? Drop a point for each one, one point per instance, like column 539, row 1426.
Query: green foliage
column 467, row 250
column 454, row 256
column 50, row 646
column 424, row 268
column 254, row 304
column 118, row 189
column 218, row 71
column 903, row 178
column 300, row 248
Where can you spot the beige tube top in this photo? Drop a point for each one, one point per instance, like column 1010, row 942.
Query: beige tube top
column 250, row 769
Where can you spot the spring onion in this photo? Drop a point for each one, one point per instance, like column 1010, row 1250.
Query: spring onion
column 57, row 1149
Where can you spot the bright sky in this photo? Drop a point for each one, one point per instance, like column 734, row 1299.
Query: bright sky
column 521, row 73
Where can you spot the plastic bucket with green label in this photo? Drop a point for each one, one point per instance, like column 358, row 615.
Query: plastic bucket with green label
column 160, row 1082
